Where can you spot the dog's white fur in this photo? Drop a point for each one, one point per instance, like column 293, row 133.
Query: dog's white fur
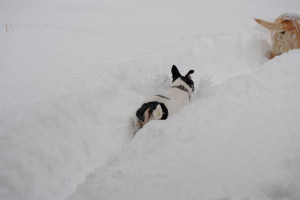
column 176, row 100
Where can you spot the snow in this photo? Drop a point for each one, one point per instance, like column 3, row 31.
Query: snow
column 239, row 142
column 74, row 72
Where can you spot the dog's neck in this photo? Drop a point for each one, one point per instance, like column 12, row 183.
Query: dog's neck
column 180, row 84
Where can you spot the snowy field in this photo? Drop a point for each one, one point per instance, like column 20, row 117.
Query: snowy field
column 73, row 73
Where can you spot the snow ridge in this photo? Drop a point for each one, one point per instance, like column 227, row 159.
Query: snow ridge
column 239, row 142
column 74, row 72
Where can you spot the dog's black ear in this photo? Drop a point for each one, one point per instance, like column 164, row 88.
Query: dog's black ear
column 175, row 73
column 188, row 74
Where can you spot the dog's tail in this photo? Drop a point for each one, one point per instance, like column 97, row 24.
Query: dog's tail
column 149, row 109
column 157, row 112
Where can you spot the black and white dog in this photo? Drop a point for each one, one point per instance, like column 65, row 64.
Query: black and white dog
column 163, row 106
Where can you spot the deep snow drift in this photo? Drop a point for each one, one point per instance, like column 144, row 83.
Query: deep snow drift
column 240, row 140
column 73, row 73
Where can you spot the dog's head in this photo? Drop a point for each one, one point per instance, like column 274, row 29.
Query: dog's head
column 285, row 32
column 186, row 79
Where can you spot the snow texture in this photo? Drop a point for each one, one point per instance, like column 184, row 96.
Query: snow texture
column 74, row 72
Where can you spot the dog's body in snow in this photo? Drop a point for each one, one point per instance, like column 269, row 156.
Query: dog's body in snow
column 161, row 107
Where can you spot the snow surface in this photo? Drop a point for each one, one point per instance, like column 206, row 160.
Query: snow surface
column 74, row 72
column 240, row 141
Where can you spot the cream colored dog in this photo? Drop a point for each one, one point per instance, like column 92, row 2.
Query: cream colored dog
column 161, row 107
column 285, row 32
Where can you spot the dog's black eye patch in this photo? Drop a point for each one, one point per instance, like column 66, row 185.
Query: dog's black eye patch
column 188, row 81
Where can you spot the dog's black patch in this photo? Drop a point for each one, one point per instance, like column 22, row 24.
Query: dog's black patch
column 163, row 97
column 189, row 82
column 140, row 113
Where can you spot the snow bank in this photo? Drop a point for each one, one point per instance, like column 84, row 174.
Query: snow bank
column 73, row 73
column 238, row 141
column 48, row 149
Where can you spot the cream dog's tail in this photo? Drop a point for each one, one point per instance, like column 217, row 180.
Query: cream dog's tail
column 154, row 110
column 157, row 112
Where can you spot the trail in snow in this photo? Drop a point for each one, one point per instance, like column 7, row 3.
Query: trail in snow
column 58, row 141
column 73, row 73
